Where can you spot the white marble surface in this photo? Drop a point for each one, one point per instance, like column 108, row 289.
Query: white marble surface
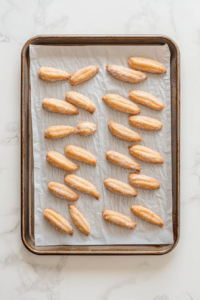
column 24, row 276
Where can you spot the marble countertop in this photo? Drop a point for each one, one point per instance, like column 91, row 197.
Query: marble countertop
column 25, row 276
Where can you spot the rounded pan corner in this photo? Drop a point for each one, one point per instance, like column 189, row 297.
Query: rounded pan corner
column 28, row 246
column 172, row 42
column 29, row 42
column 173, row 246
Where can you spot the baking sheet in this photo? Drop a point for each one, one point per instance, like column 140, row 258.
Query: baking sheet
column 71, row 58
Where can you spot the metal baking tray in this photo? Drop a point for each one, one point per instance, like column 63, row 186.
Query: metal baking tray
column 27, row 183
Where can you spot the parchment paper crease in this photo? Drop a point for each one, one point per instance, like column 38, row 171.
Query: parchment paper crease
column 72, row 58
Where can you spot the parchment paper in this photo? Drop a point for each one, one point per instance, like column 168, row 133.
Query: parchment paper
column 72, row 58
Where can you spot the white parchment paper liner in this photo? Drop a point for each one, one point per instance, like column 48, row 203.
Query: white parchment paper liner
column 72, row 58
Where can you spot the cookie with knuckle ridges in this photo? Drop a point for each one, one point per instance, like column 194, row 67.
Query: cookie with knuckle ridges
column 62, row 191
column 118, row 219
column 57, row 160
column 79, row 220
column 51, row 74
column 146, row 154
column 80, row 154
column 125, row 74
column 122, row 161
column 119, row 187
column 58, row 221
column 146, row 99
column 145, row 123
column 143, row 182
column 83, row 75
column 82, row 185
column 147, row 215
column 86, row 128
column 123, row 133
column 80, row 101
column 59, row 106
column 56, row 132
column 147, row 65
column 121, row 104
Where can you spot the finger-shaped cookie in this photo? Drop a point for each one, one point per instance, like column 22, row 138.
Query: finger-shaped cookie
column 118, row 219
column 59, row 106
column 86, row 128
column 62, row 191
column 146, row 123
column 56, row 132
column 51, row 74
column 146, row 154
column 59, row 222
column 58, row 160
column 83, row 75
column 80, row 154
column 143, row 182
column 80, row 101
column 122, row 161
column 79, row 220
column 147, row 215
column 145, row 64
column 146, row 99
column 82, row 185
column 125, row 74
column 123, row 133
column 121, row 104
column 119, row 187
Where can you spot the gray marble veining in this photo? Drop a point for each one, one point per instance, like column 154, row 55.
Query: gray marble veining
column 25, row 276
